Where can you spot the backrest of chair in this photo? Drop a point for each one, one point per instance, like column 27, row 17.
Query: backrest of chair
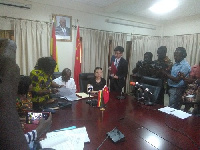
column 56, row 75
column 83, row 81
column 154, row 85
column 151, row 81
column 155, row 90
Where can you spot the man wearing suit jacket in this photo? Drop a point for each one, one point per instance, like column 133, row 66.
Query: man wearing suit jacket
column 62, row 30
column 118, row 79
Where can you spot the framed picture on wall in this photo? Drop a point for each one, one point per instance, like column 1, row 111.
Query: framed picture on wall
column 63, row 27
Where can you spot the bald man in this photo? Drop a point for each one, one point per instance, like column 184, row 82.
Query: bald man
column 64, row 80
column 62, row 29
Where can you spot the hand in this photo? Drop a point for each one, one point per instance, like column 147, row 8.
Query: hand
column 109, row 68
column 54, row 90
column 181, row 75
column 44, row 125
column 115, row 77
column 61, row 86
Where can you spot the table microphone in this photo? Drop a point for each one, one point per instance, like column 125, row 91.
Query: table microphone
column 148, row 95
column 90, row 89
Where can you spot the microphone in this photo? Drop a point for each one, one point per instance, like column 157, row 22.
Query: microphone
column 148, row 96
column 90, row 89
column 147, row 90
column 132, row 83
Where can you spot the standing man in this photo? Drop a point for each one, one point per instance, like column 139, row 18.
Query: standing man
column 118, row 79
column 176, row 84
column 163, row 63
column 62, row 29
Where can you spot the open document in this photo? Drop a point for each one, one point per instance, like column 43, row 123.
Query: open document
column 71, row 139
column 68, row 94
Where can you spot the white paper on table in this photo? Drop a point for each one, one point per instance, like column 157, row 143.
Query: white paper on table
column 178, row 113
column 83, row 95
column 71, row 139
column 69, row 94
column 190, row 96
column 167, row 110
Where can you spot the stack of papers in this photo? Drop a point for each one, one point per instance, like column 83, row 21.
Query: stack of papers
column 83, row 95
column 68, row 94
column 178, row 113
column 73, row 139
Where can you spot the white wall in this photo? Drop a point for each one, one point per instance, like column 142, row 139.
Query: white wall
column 66, row 50
column 188, row 25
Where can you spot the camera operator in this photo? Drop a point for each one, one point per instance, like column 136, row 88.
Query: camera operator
column 146, row 67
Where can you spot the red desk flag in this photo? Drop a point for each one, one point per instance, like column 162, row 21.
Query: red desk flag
column 77, row 66
column 105, row 94
column 53, row 48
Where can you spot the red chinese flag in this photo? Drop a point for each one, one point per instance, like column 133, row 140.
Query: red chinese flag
column 105, row 94
column 77, row 66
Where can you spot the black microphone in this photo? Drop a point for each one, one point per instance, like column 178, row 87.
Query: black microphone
column 148, row 96
column 90, row 89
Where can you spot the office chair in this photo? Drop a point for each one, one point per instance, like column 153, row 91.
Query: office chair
column 56, row 75
column 83, row 81
column 154, row 85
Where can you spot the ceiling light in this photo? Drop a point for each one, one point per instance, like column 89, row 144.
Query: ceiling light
column 164, row 6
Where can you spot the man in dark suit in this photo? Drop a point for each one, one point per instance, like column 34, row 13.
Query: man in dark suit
column 62, row 30
column 118, row 79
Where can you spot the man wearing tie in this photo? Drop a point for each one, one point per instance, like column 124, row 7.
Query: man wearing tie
column 62, row 30
column 118, row 79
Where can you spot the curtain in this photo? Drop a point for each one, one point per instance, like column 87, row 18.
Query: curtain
column 95, row 49
column 33, row 41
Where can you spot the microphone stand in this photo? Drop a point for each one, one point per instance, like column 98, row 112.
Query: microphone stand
column 121, row 96
column 149, row 98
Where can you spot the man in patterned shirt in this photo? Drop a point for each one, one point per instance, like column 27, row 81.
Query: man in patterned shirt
column 162, row 63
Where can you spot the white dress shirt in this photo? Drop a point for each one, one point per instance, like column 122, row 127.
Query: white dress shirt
column 69, row 84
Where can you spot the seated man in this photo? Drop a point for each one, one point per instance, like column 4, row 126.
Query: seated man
column 65, row 80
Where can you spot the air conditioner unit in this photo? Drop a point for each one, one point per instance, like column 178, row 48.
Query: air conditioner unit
column 15, row 4
column 131, row 23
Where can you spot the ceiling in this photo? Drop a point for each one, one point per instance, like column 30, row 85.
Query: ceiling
column 137, row 8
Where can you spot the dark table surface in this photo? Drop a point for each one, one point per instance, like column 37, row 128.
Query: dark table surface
column 144, row 127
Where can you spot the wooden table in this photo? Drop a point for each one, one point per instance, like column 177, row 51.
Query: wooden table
column 144, row 127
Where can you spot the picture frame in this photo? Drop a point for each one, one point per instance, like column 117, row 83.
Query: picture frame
column 63, row 27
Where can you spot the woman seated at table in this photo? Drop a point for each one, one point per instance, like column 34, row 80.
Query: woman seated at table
column 97, row 82
column 41, row 79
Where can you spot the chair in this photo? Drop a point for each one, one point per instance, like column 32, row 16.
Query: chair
column 56, row 75
column 154, row 85
column 83, row 81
